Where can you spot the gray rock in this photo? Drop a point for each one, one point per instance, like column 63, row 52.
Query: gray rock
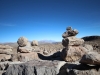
column 24, row 57
column 33, row 68
column 4, row 57
column 36, row 49
column 73, row 41
column 69, row 28
column 22, row 41
column 69, row 32
column 89, row 48
column 79, row 69
column 15, row 57
column 91, row 58
column 72, row 53
column 6, row 49
column 34, row 43
column 25, row 49
column 6, row 64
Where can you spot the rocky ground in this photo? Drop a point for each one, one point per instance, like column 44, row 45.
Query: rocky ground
column 94, row 41
column 73, row 56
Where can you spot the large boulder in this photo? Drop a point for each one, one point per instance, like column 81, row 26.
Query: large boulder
column 34, row 68
column 72, row 41
column 22, row 41
column 91, row 58
column 24, row 57
column 25, row 49
column 72, row 53
column 88, row 47
column 34, row 43
column 79, row 69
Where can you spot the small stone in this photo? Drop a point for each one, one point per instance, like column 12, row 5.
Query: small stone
column 34, row 43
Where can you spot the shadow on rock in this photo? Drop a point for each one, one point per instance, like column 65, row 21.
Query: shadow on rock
column 55, row 56
column 68, row 69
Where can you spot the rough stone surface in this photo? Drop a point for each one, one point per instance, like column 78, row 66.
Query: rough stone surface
column 72, row 41
column 72, row 53
column 4, row 57
column 91, row 58
column 52, row 68
column 79, row 69
column 69, row 32
column 6, row 49
column 25, row 49
column 15, row 57
column 22, row 41
column 6, row 64
column 87, row 47
column 34, row 43
column 36, row 49
column 34, row 68
column 24, row 57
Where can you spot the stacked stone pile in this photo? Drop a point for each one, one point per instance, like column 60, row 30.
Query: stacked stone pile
column 25, row 51
column 5, row 52
column 76, row 51
column 73, row 49
column 82, row 60
column 24, row 45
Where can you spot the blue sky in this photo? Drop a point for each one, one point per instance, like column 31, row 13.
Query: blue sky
column 47, row 19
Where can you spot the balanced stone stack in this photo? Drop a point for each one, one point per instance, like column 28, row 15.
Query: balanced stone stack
column 5, row 52
column 24, row 45
column 25, row 51
column 73, row 46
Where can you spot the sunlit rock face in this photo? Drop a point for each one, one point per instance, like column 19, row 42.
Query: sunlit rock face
column 24, row 45
column 72, row 53
column 22, row 41
column 92, row 58
column 74, row 48
column 34, row 43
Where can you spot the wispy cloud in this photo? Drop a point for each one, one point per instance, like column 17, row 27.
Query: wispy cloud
column 7, row 25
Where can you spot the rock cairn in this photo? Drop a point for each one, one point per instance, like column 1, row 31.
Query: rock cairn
column 24, row 45
column 73, row 50
column 25, row 51
column 5, row 52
